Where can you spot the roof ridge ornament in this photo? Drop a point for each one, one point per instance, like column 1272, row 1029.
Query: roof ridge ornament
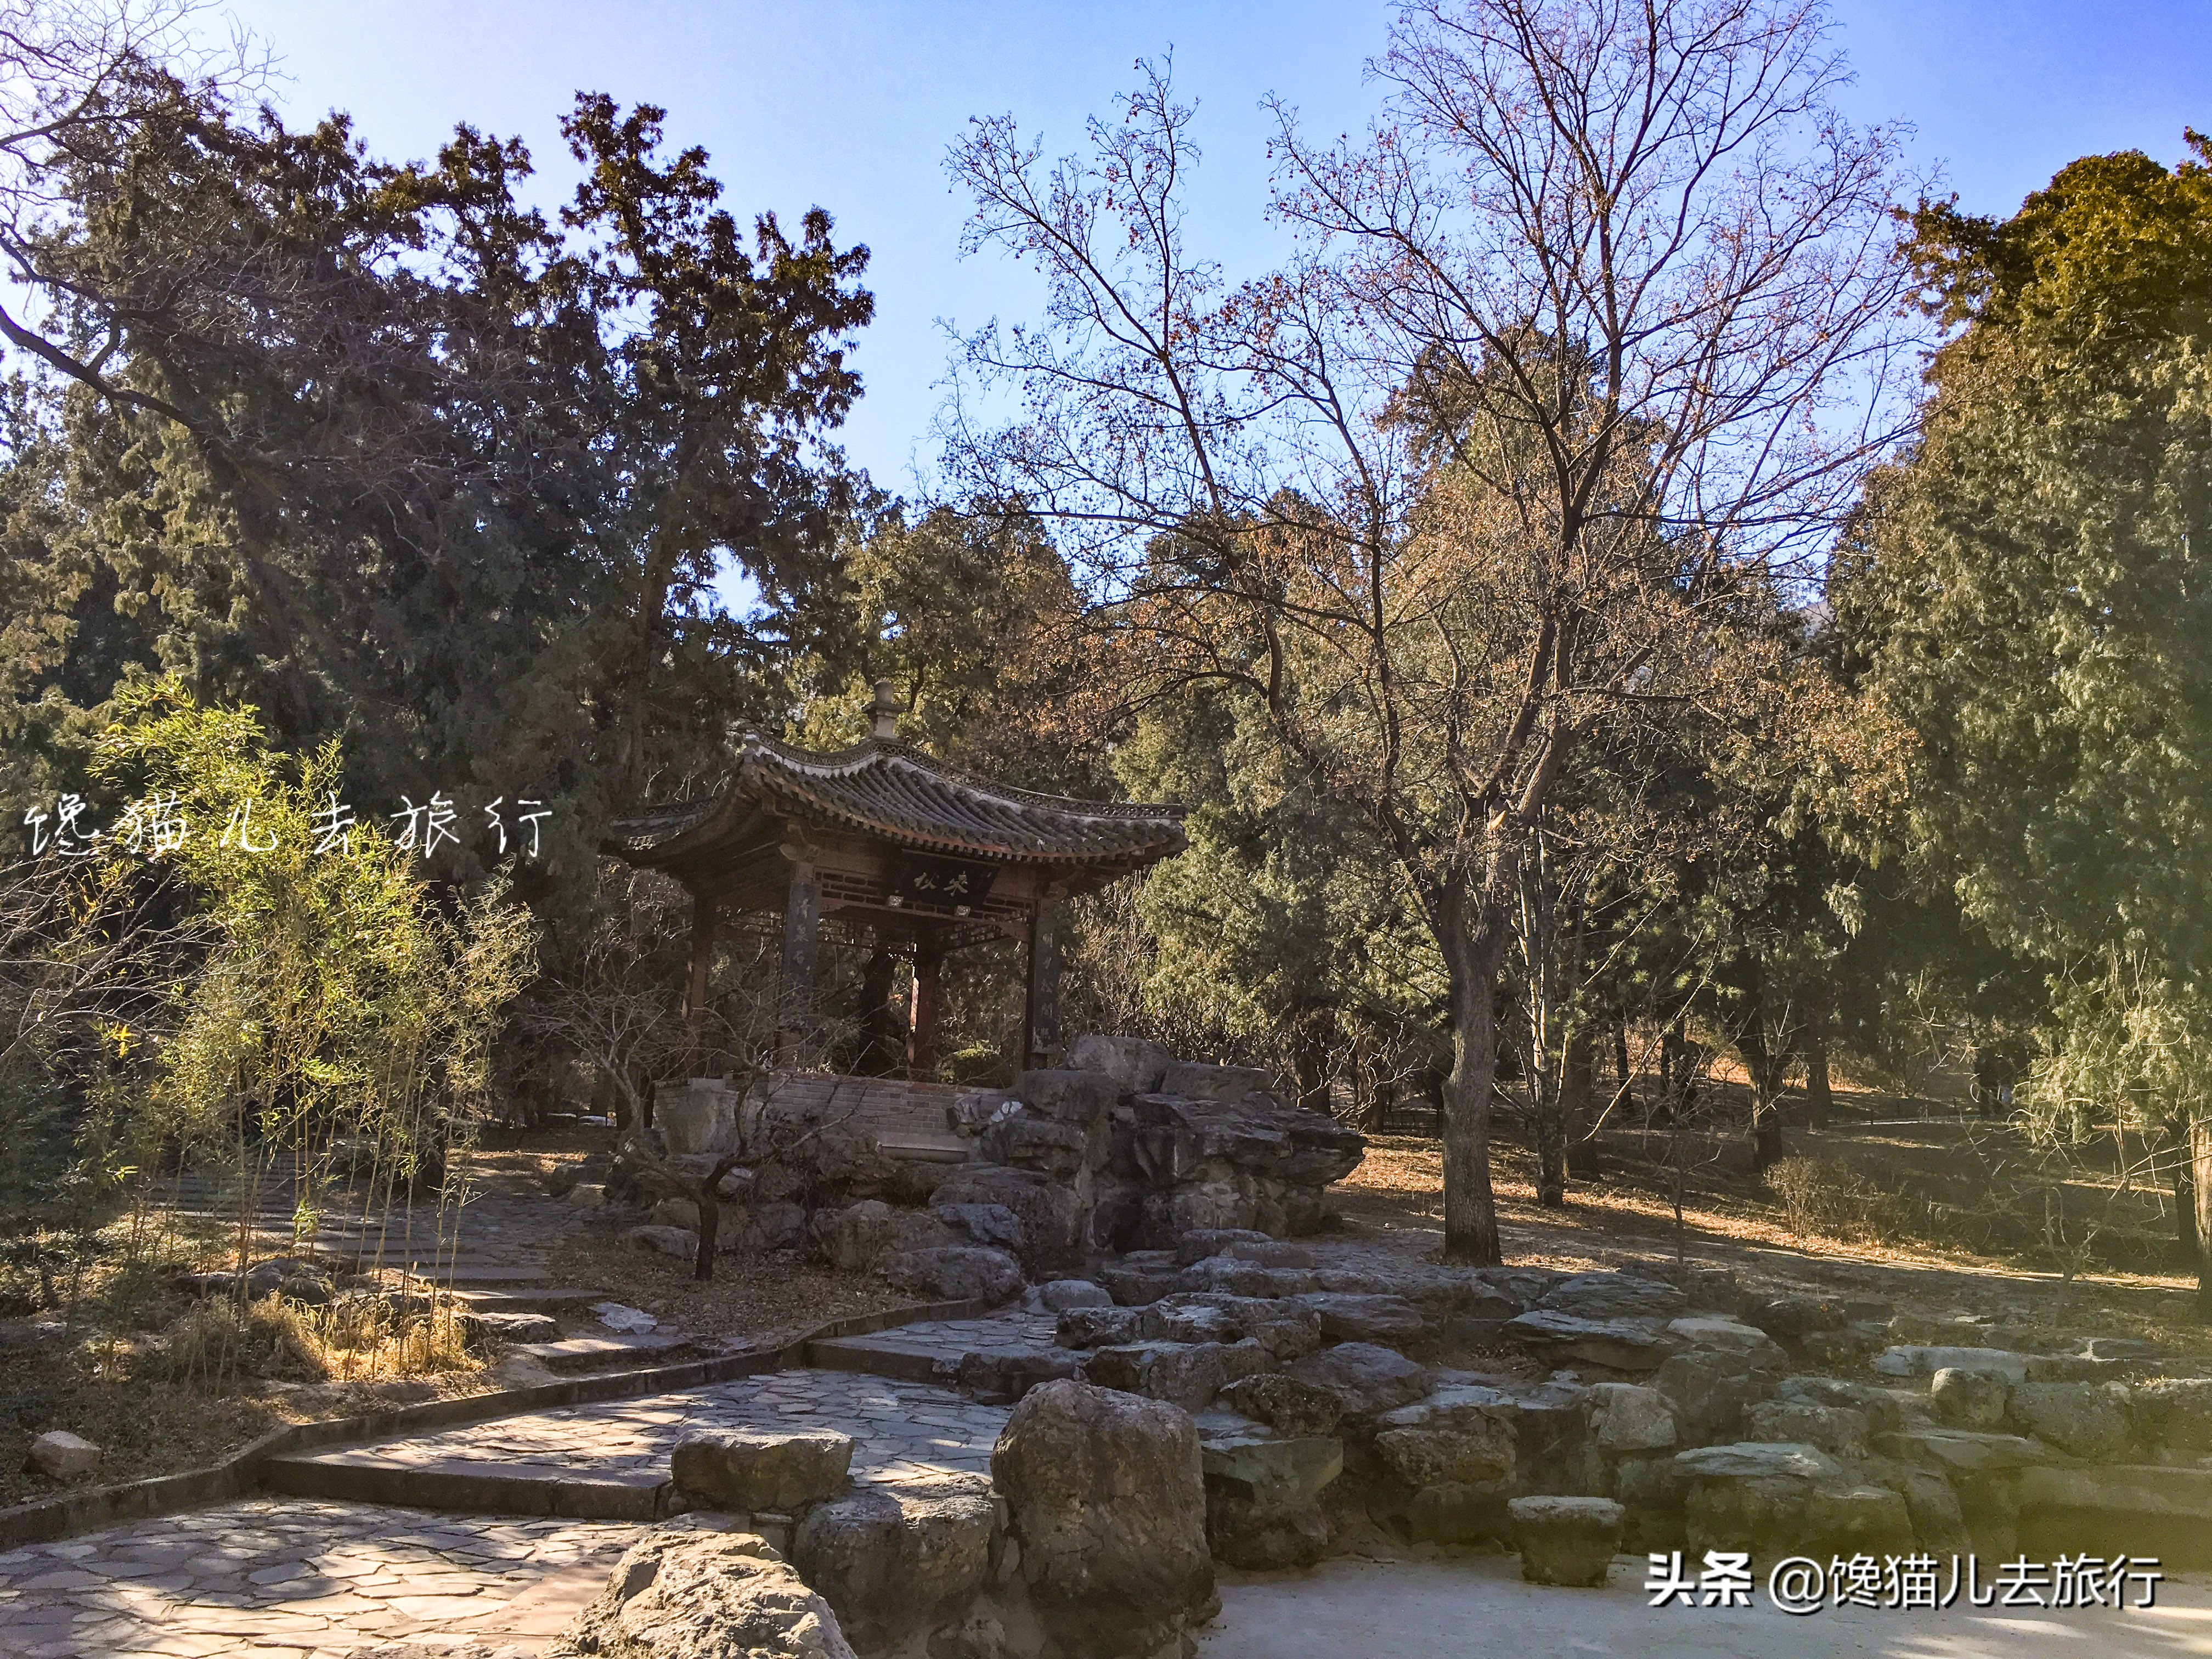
column 885, row 710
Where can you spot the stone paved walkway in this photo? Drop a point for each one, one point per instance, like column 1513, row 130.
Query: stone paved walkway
column 279, row 1578
column 306, row 1579
column 906, row 1431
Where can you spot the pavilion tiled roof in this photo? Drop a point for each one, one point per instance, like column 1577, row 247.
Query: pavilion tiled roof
column 888, row 788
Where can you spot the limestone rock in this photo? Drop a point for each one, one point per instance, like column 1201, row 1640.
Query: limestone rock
column 891, row 1561
column 666, row 1241
column 687, row 1591
column 587, row 1195
column 677, row 1213
column 1758, row 1461
column 1136, row 1063
column 1046, row 1208
column 1260, row 1492
column 1270, row 1472
column 1627, row 1417
column 1968, row 1399
column 955, row 1273
column 1792, row 1319
column 1365, row 1379
column 1187, row 1374
column 750, row 1471
column 1074, row 1097
column 60, row 1456
column 1364, row 1318
column 1925, row 1361
column 1194, row 1081
column 1839, row 1430
column 1062, row 1294
column 1711, row 1389
column 993, row 1225
column 1199, row 1242
column 1731, row 1336
column 1621, row 1344
column 1886, row 1410
column 1954, row 1452
column 2175, row 1414
column 701, row 1117
column 1098, row 1328
column 851, row 1239
column 478, row 1328
column 1291, row 1407
column 2084, row 1419
column 1565, row 1541
column 1106, row 1493
column 1613, row 1295
column 1481, row 1454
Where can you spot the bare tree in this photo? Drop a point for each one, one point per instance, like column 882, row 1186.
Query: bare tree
column 1593, row 336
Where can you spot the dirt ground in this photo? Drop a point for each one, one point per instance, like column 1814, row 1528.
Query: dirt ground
column 1921, row 1172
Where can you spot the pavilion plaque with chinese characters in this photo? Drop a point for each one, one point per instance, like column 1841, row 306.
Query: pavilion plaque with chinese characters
column 948, row 883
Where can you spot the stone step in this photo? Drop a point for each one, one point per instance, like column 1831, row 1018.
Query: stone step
column 366, row 1476
column 602, row 1354
column 885, row 1353
column 555, row 1298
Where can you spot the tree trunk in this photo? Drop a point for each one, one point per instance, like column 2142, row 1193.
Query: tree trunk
column 2200, row 1180
column 1819, row 1101
column 1470, row 1205
column 1623, row 1063
column 1315, row 1033
column 2184, row 1200
column 1577, row 1081
column 710, row 1224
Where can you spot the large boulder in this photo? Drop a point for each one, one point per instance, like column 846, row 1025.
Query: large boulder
column 1187, row 1374
column 955, row 1273
column 1839, row 1430
column 2088, row 1420
column 1106, row 1496
column 687, row 1590
column 1624, row 1345
column 1135, row 1064
column 1626, row 1417
column 1365, row 1379
column 1614, row 1296
column 1075, row 1096
column 750, row 1471
column 893, row 1561
column 1346, row 1318
column 1920, row 1360
column 60, row 1456
column 1197, row 1081
column 1787, row 1499
column 990, row 1224
column 1965, row 1399
column 699, row 1117
column 1045, row 1208
column 1291, row 1407
column 2174, row 1414
column 1261, row 1493
column 1711, row 1389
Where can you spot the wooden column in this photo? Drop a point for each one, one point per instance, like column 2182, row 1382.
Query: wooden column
column 1040, row 1022
column 921, row 1019
column 802, row 932
column 696, row 986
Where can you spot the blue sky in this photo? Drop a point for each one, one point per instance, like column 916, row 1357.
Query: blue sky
column 850, row 104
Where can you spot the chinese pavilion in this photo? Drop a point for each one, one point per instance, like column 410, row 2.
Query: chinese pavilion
column 915, row 857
